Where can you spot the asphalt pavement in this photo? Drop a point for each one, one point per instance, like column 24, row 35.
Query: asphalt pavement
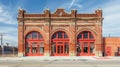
column 59, row 63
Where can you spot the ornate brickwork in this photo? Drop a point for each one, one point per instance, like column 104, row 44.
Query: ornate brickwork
column 71, row 23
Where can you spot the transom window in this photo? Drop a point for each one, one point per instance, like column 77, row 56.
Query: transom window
column 85, row 35
column 59, row 35
column 34, row 35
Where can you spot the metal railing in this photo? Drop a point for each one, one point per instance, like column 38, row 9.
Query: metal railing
column 8, row 54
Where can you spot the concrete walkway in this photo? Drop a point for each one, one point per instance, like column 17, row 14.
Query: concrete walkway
column 57, row 58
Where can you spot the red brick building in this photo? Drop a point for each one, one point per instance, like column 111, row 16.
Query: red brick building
column 63, row 34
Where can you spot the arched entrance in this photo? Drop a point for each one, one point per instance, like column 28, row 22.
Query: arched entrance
column 34, row 44
column 85, row 44
column 60, row 44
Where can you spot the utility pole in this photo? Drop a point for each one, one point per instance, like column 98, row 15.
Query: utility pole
column 1, row 35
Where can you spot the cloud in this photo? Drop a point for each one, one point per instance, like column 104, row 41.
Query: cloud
column 111, row 14
column 8, row 24
column 74, row 3
column 71, row 4
column 7, row 15
column 10, row 35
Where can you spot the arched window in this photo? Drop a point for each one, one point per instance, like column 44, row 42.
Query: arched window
column 34, row 35
column 34, row 45
column 59, row 35
column 85, row 35
column 85, row 43
column 60, row 44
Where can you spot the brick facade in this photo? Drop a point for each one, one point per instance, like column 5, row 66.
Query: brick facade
column 72, row 24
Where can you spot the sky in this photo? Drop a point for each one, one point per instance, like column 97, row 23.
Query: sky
column 9, row 13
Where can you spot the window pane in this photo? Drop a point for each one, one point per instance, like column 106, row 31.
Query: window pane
column 85, row 47
column 80, row 36
column 59, row 34
column 41, row 44
column 78, row 47
column 28, row 36
column 85, row 34
column 91, row 47
column 40, row 36
column 53, row 47
column 65, row 36
column 41, row 49
column 34, row 44
column 54, row 36
column 27, row 49
column 58, row 49
column 91, row 36
column 34, row 35
column 27, row 44
column 34, row 50
column 85, row 44
column 66, row 47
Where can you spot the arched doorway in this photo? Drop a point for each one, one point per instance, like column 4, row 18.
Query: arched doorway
column 60, row 44
column 85, row 44
column 34, row 44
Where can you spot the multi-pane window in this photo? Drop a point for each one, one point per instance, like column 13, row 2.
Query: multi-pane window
column 59, row 34
column 85, row 35
column 34, row 35
column 35, row 39
column 60, row 43
column 85, row 42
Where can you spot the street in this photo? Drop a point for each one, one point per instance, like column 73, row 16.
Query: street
column 59, row 63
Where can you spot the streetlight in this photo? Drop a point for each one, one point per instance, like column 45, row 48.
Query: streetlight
column 2, row 34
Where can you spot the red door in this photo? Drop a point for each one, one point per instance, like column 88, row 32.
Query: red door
column 60, row 44
column 108, row 51
column 60, row 49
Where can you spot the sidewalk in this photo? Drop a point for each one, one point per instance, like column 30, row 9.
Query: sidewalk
column 57, row 58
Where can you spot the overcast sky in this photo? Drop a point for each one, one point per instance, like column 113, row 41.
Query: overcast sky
column 9, row 12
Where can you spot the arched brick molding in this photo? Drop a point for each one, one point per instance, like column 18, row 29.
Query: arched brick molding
column 86, row 29
column 36, row 29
